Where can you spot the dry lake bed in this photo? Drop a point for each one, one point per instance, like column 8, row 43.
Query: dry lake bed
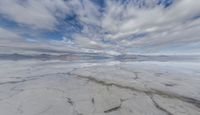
column 33, row 87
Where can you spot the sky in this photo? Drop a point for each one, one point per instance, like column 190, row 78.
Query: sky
column 111, row 26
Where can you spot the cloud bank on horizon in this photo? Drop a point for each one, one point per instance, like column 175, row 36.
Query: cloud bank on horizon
column 112, row 26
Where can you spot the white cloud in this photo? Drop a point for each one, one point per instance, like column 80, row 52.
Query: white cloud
column 34, row 13
column 12, row 42
column 85, row 42
column 6, row 34
column 163, row 28
column 124, row 21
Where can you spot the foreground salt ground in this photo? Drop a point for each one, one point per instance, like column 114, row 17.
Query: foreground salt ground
column 63, row 88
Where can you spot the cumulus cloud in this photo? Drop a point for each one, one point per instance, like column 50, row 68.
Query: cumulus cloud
column 6, row 34
column 40, row 14
column 145, row 26
column 12, row 42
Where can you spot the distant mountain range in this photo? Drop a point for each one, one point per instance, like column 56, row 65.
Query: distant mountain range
column 99, row 56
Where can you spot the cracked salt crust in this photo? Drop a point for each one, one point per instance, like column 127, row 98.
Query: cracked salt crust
column 61, row 88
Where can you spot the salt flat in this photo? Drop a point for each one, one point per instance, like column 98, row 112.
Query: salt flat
column 31, row 87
